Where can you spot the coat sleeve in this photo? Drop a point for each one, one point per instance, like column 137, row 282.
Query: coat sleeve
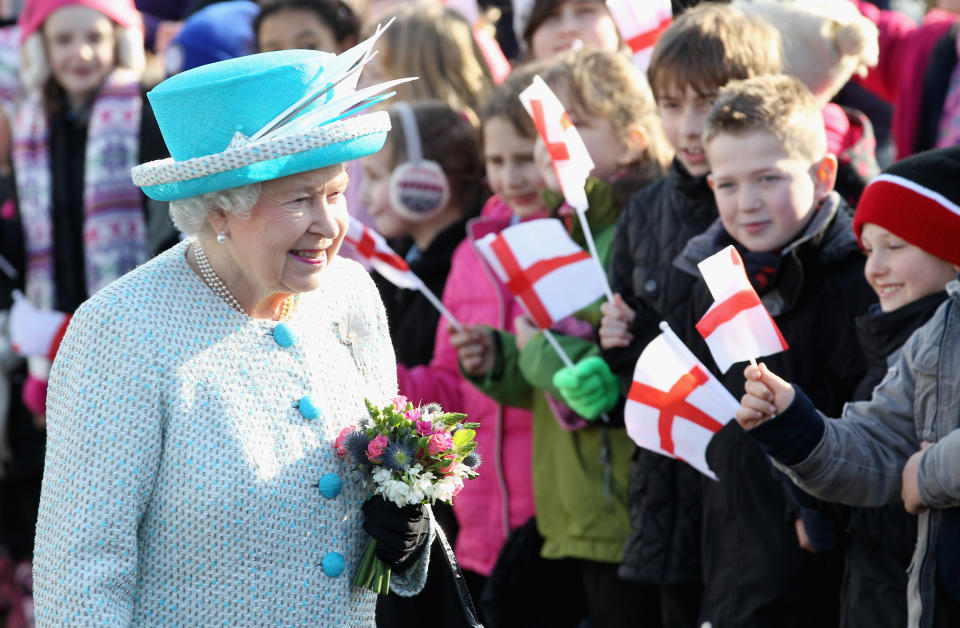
column 859, row 459
column 504, row 383
column 939, row 475
column 104, row 445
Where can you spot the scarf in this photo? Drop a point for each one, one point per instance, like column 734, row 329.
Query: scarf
column 114, row 229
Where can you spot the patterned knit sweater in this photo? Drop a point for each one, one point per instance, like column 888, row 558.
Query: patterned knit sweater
column 190, row 475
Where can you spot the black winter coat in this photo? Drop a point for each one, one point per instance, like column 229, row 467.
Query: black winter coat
column 755, row 574
column 412, row 319
column 664, row 543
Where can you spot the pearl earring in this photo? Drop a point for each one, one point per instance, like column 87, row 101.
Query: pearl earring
column 222, row 237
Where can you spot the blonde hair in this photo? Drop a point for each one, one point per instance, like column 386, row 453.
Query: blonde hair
column 35, row 67
column 711, row 45
column 436, row 45
column 604, row 84
column 778, row 104
column 503, row 101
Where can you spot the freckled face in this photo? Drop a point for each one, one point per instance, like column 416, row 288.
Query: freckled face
column 764, row 195
column 293, row 232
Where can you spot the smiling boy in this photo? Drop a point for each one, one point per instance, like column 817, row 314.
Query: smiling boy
column 772, row 179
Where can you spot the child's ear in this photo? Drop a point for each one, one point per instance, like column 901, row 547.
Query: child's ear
column 824, row 176
column 710, row 182
column 635, row 143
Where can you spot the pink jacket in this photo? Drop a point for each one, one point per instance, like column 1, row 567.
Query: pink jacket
column 501, row 497
column 904, row 51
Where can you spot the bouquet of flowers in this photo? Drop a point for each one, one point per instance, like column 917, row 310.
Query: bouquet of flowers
column 410, row 456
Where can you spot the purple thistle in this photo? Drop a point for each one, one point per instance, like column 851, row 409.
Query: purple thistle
column 397, row 456
column 473, row 460
column 356, row 446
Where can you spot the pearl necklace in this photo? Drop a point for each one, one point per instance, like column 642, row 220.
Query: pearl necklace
column 221, row 290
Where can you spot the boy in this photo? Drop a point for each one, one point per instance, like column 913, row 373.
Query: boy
column 701, row 51
column 773, row 179
column 882, row 450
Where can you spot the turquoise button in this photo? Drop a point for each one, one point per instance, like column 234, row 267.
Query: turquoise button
column 284, row 335
column 330, row 485
column 333, row 564
column 307, row 408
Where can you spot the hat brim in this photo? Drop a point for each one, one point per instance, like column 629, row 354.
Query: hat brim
column 359, row 140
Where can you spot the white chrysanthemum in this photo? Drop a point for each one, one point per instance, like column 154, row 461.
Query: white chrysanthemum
column 396, row 491
column 382, row 475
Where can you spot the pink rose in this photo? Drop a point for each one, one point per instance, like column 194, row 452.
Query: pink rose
column 375, row 448
column 447, row 469
column 340, row 443
column 439, row 442
column 399, row 402
column 412, row 415
column 424, row 428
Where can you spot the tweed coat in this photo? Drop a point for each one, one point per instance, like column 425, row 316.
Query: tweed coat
column 191, row 477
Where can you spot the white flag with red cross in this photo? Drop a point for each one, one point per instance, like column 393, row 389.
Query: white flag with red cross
column 543, row 268
column 641, row 23
column 374, row 249
column 571, row 160
column 675, row 406
column 737, row 327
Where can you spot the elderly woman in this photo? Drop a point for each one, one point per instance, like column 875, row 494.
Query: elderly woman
column 191, row 475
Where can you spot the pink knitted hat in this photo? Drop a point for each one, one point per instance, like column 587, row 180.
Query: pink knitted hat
column 36, row 12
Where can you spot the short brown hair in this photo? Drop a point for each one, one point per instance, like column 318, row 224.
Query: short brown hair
column 778, row 104
column 710, row 45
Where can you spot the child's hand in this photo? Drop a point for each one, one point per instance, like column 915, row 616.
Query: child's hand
column 910, row 490
column 589, row 388
column 766, row 395
column 474, row 347
column 523, row 330
column 617, row 318
column 802, row 538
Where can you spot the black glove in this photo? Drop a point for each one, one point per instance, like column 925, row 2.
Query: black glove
column 401, row 533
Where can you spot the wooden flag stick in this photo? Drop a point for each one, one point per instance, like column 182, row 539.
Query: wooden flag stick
column 592, row 247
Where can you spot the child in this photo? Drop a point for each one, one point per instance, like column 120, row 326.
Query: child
column 328, row 25
column 579, row 474
column 431, row 225
column 436, row 45
column 772, row 179
column 701, row 51
column 430, row 229
column 554, row 27
column 881, row 451
column 501, row 498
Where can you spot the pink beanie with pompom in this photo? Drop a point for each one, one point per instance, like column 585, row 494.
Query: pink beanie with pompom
column 35, row 13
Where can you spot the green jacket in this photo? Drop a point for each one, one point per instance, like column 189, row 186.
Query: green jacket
column 577, row 515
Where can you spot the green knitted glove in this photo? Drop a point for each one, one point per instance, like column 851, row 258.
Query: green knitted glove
column 589, row 388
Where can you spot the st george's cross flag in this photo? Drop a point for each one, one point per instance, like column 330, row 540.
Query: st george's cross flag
column 737, row 327
column 372, row 247
column 640, row 23
column 549, row 274
column 675, row 406
column 571, row 160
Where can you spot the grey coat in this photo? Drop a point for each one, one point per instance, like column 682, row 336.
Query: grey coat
column 859, row 460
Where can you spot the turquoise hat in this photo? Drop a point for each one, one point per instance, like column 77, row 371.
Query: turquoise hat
column 262, row 117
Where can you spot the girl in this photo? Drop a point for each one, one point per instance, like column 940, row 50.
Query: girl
column 429, row 224
column 328, row 25
column 501, row 498
column 580, row 471
column 554, row 27
column 437, row 45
